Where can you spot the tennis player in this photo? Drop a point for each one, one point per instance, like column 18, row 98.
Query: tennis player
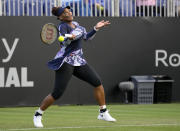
column 70, row 61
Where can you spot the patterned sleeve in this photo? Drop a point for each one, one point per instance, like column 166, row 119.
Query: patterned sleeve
column 77, row 32
column 62, row 31
column 90, row 35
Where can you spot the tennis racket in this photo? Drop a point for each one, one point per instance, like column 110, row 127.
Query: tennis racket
column 50, row 33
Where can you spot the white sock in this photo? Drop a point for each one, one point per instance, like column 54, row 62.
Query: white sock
column 40, row 111
column 102, row 107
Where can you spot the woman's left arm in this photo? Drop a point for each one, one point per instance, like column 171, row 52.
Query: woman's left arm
column 99, row 25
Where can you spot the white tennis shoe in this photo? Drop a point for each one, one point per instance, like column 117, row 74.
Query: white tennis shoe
column 105, row 116
column 37, row 121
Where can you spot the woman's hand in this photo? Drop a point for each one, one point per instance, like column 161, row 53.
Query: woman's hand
column 73, row 37
column 102, row 24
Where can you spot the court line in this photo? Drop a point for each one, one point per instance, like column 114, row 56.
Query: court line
column 52, row 128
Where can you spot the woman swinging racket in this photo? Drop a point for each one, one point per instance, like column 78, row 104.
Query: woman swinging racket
column 69, row 61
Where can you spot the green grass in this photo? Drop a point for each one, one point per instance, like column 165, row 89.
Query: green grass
column 155, row 117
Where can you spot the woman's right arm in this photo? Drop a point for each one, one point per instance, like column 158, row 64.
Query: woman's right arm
column 62, row 31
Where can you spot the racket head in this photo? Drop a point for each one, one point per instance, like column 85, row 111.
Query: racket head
column 49, row 33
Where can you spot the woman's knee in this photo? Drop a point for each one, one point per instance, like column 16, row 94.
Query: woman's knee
column 56, row 95
column 98, row 84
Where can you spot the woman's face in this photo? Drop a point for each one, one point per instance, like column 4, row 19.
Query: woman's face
column 66, row 16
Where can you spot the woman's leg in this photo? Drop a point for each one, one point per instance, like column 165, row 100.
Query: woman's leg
column 62, row 77
column 89, row 75
column 99, row 95
column 48, row 100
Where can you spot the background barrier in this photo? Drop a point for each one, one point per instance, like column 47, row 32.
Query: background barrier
column 129, row 46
